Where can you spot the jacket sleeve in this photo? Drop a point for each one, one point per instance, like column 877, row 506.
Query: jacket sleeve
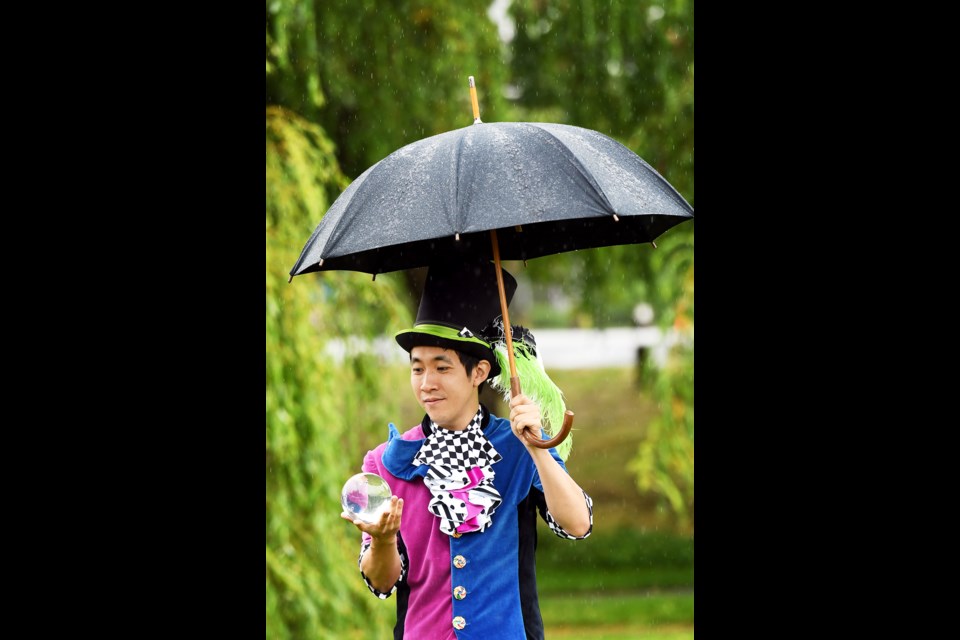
column 370, row 465
column 546, row 515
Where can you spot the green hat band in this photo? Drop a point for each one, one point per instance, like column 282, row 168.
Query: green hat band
column 449, row 333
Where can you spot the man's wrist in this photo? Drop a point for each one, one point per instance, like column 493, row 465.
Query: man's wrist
column 386, row 541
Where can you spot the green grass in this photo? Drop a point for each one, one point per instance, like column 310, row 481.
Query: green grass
column 621, row 632
column 622, row 584
column 603, row 615
column 628, row 632
column 614, row 561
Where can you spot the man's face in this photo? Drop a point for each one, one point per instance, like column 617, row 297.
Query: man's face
column 442, row 386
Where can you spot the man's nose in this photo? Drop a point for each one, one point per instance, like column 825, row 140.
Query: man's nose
column 426, row 382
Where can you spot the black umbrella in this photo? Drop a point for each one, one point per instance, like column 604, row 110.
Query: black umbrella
column 504, row 190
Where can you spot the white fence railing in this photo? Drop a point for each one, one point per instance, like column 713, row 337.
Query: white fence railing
column 558, row 348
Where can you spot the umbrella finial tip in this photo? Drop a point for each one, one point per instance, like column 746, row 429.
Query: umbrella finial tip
column 473, row 100
column 470, row 80
column 291, row 279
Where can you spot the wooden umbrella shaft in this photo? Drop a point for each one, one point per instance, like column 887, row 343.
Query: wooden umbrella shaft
column 514, row 378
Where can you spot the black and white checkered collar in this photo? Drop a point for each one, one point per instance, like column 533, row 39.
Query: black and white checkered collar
column 454, row 452
column 483, row 414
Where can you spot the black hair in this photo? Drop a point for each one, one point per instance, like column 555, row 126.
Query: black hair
column 470, row 363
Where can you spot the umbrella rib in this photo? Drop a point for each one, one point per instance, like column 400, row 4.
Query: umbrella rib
column 335, row 225
column 572, row 159
column 662, row 181
column 679, row 197
column 344, row 222
column 456, row 185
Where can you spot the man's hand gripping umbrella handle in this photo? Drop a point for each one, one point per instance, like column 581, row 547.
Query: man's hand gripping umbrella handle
column 532, row 439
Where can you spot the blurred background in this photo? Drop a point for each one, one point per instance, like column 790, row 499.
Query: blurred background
column 347, row 83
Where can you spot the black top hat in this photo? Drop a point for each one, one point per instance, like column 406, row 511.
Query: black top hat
column 459, row 302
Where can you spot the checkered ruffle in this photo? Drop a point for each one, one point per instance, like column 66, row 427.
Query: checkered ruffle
column 460, row 477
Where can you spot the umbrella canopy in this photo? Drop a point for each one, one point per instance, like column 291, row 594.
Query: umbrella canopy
column 546, row 189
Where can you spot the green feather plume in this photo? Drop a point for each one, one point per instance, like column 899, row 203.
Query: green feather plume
column 534, row 383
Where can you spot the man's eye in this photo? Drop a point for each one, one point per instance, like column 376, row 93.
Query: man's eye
column 416, row 371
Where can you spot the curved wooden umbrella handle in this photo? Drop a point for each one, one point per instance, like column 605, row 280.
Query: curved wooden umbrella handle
column 557, row 439
column 535, row 441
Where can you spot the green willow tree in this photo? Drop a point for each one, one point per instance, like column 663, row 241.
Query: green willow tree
column 314, row 403
column 379, row 75
column 625, row 68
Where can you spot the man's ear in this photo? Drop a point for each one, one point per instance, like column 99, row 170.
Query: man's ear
column 481, row 371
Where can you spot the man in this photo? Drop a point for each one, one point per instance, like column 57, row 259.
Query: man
column 457, row 544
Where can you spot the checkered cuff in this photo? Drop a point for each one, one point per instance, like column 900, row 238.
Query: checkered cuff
column 404, row 564
column 557, row 529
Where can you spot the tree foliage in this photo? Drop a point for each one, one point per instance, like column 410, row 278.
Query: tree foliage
column 314, row 403
column 664, row 461
column 378, row 75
